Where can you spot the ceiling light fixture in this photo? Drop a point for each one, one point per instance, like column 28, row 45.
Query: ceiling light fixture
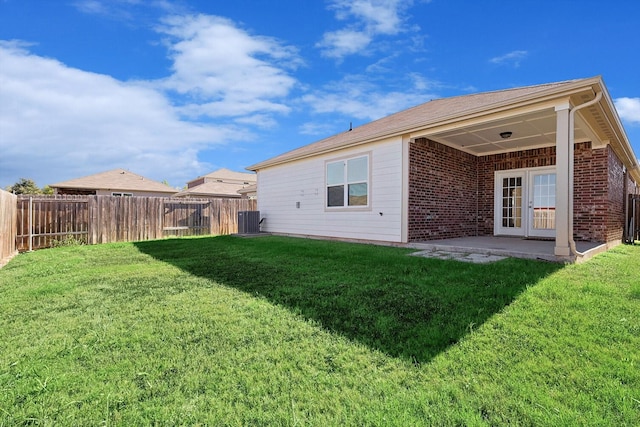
column 505, row 135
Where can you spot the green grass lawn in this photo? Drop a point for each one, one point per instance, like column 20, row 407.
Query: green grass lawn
column 293, row 332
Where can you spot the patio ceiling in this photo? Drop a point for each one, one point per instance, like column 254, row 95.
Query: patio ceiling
column 530, row 130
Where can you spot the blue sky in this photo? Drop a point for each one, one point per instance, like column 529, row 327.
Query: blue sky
column 174, row 89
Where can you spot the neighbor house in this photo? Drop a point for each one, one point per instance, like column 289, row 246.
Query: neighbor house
column 249, row 192
column 550, row 161
column 221, row 183
column 117, row 182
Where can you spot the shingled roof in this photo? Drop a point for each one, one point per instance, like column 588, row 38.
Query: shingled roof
column 213, row 189
column 116, row 179
column 227, row 175
column 428, row 114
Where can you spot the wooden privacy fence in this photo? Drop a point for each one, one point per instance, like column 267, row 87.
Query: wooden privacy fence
column 633, row 219
column 8, row 226
column 44, row 221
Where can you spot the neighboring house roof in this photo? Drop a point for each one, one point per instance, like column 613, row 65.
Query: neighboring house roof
column 253, row 188
column 456, row 121
column 212, row 189
column 116, row 179
column 227, row 175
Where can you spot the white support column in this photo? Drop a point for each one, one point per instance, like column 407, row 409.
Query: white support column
column 562, row 180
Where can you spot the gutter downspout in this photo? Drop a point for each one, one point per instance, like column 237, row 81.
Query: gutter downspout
column 572, row 113
column 625, row 201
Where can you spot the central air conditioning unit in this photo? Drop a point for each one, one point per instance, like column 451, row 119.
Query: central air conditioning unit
column 248, row 222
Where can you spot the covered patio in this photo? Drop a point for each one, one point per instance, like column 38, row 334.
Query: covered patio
column 516, row 247
column 531, row 198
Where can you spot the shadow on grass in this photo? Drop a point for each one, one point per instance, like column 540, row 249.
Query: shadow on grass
column 407, row 307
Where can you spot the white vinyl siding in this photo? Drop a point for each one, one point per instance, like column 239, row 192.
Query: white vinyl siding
column 303, row 183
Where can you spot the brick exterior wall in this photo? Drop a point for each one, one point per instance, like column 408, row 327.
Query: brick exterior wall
column 442, row 192
column 600, row 194
column 615, row 198
column 590, row 193
column 451, row 193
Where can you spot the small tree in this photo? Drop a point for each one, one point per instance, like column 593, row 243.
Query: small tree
column 24, row 186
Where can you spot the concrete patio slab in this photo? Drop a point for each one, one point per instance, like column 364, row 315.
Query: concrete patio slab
column 506, row 247
column 460, row 256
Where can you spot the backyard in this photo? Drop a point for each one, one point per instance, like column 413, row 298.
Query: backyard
column 283, row 331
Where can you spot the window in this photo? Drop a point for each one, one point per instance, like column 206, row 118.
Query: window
column 348, row 182
column 122, row 194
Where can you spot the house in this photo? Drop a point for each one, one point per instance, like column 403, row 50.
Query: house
column 249, row 192
column 116, row 182
column 220, row 183
column 550, row 161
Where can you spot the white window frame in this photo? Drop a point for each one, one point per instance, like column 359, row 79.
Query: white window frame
column 345, row 183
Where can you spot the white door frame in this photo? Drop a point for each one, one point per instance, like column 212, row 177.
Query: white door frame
column 525, row 227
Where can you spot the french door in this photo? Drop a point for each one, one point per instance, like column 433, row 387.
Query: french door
column 525, row 202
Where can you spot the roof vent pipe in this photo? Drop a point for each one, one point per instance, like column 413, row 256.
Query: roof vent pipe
column 572, row 113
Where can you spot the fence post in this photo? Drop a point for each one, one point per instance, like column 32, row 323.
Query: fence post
column 210, row 217
column 30, row 224
column 628, row 223
column 635, row 201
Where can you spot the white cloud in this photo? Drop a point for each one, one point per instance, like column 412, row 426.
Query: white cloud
column 311, row 128
column 114, row 9
column 221, row 70
column 231, row 108
column 95, row 7
column 58, row 122
column 359, row 98
column 338, row 44
column 259, row 120
column 133, row 12
column 512, row 58
column 628, row 109
column 422, row 83
column 369, row 18
column 379, row 16
column 365, row 106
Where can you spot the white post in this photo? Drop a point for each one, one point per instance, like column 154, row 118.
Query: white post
column 562, row 182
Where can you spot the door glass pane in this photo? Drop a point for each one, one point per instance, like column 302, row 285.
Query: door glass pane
column 544, row 202
column 512, row 202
